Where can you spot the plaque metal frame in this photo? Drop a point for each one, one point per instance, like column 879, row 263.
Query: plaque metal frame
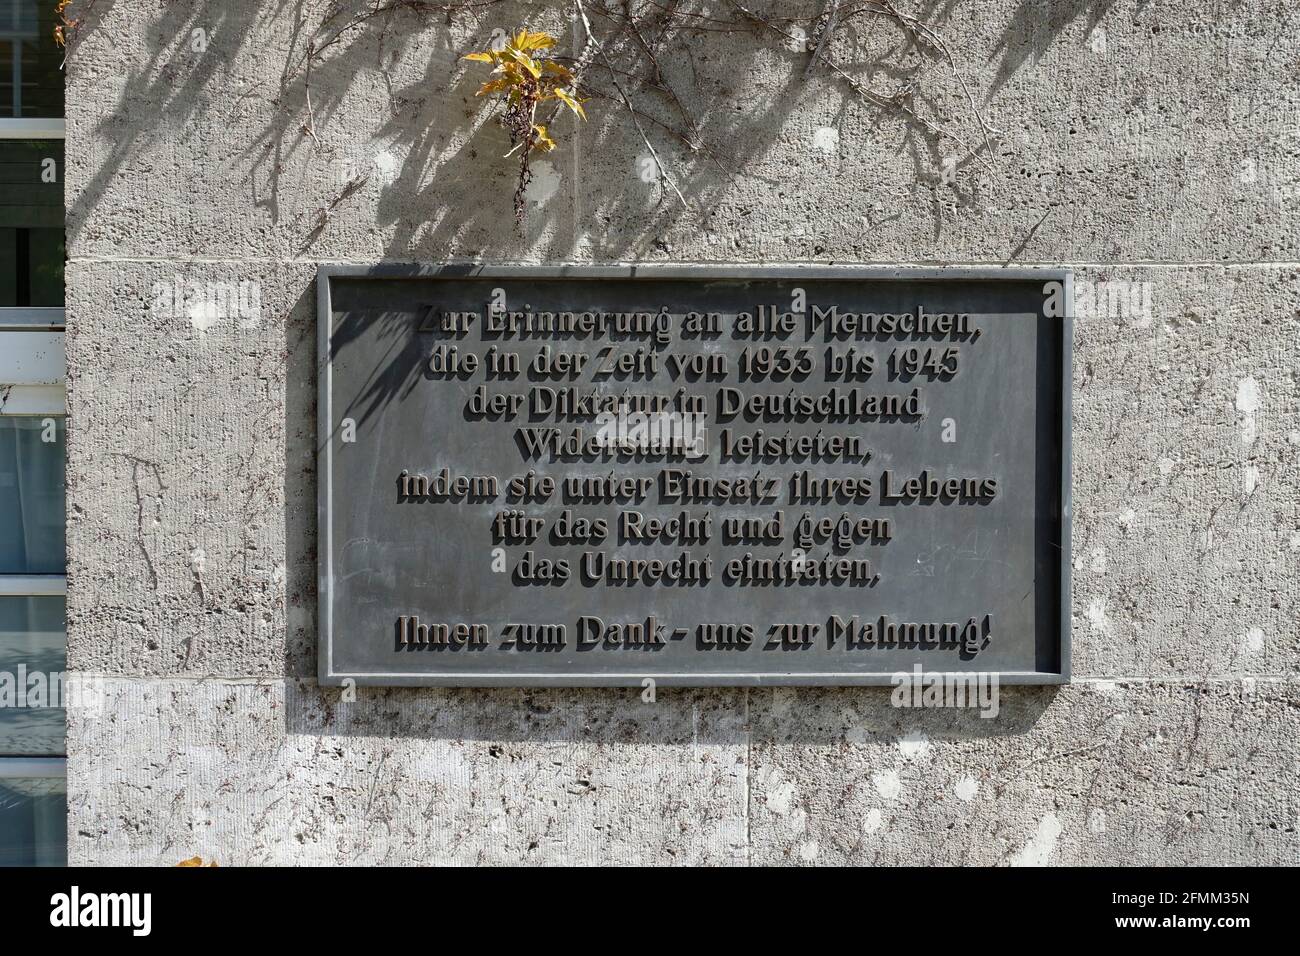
column 327, row 676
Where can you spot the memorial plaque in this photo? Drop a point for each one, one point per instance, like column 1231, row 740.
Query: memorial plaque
column 695, row 475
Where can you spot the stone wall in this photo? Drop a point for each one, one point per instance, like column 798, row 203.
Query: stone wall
column 1155, row 144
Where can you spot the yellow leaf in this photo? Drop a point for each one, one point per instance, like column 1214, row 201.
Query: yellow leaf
column 479, row 57
column 543, row 138
column 192, row 861
column 526, row 61
column 495, row 86
column 556, row 69
column 571, row 101
column 540, row 40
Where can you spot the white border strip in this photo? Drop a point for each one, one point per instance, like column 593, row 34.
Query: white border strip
column 32, row 129
column 14, row 767
column 31, row 319
column 33, row 585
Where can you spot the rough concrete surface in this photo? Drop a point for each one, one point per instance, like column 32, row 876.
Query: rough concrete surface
column 1152, row 144
column 1142, row 772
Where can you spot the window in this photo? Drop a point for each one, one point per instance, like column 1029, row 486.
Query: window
column 31, row 222
column 33, row 812
column 33, row 637
column 31, row 78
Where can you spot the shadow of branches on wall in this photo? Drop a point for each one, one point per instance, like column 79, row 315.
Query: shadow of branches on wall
column 369, row 135
column 687, row 99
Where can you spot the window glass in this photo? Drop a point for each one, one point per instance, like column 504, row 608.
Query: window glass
column 31, row 222
column 31, row 495
column 33, row 821
column 33, row 661
column 31, row 81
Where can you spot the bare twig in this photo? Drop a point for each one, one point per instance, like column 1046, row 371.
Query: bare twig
column 67, row 30
column 310, row 126
column 591, row 37
column 832, row 9
column 937, row 42
column 898, row 100
column 325, row 213
column 657, row 75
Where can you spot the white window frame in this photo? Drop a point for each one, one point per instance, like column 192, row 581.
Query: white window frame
column 11, row 128
column 18, row 768
column 31, row 318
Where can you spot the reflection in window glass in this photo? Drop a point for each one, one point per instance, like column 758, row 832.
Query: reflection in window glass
column 33, row 821
column 31, row 222
column 31, row 495
column 33, row 661
column 31, row 81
